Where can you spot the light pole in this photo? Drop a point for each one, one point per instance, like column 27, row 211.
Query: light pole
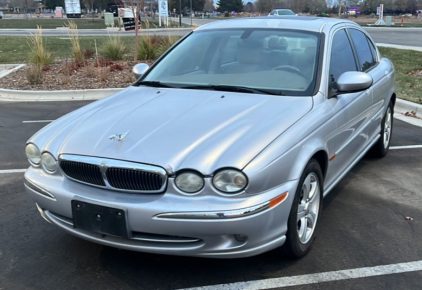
column 190, row 12
column 26, row 8
column 339, row 8
column 180, row 13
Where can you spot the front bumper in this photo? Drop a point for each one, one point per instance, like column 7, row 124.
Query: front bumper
column 191, row 235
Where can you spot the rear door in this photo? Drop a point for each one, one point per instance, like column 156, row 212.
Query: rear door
column 381, row 72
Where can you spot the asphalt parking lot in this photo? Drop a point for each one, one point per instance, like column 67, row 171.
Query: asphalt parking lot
column 363, row 225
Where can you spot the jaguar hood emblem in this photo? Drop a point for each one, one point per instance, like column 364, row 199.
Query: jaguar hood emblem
column 119, row 137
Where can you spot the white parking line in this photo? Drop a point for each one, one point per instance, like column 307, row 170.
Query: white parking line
column 38, row 121
column 317, row 278
column 405, row 147
column 12, row 171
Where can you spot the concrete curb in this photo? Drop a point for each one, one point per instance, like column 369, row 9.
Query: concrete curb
column 404, row 106
column 69, row 95
column 396, row 46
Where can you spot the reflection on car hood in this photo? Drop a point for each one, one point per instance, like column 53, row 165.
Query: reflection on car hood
column 175, row 128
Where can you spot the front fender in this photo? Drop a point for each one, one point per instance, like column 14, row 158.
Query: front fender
column 285, row 158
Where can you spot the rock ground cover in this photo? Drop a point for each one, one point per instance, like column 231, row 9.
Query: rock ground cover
column 68, row 75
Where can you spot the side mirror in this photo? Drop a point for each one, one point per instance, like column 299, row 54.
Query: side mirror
column 353, row 81
column 139, row 69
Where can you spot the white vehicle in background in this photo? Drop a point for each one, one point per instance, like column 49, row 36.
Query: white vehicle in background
column 73, row 8
column 282, row 12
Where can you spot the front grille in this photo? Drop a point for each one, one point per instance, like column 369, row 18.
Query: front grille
column 130, row 179
column 114, row 174
column 84, row 172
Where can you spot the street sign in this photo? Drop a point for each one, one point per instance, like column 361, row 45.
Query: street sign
column 378, row 10
column 381, row 15
column 163, row 8
column 72, row 6
column 163, row 11
column 59, row 12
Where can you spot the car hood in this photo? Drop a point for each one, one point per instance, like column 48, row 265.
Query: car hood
column 175, row 128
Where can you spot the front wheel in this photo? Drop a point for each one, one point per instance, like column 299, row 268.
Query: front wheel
column 305, row 212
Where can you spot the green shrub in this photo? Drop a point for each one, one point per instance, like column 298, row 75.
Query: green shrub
column 38, row 54
column 114, row 48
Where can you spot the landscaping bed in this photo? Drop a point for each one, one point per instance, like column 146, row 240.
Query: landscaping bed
column 67, row 75
column 85, row 63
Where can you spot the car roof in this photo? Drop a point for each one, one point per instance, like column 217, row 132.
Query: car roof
column 288, row 22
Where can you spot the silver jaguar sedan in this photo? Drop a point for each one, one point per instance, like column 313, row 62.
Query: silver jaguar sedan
column 225, row 147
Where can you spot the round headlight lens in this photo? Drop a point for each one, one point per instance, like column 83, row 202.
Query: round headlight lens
column 33, row 154
column 189, row 182
column 49, row 162
column 230, row 181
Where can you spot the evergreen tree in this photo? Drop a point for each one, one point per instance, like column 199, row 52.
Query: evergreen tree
column 230, row 5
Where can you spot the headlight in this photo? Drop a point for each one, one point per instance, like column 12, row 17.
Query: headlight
column 33, row 154
column 189, row 182
column 230, row 181
column 49, row 162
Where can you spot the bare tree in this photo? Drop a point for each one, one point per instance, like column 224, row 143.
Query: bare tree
column 135, row 7
column 264, row 6
column 209, row 6
column 90, row 5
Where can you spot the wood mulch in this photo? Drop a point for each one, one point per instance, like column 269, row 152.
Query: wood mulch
column 70, row 75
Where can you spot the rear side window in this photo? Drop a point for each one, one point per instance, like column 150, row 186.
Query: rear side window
column 373, row 50
column 360, row 41
column 342, row 58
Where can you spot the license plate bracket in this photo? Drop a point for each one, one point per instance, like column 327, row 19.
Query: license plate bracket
column 99, row 219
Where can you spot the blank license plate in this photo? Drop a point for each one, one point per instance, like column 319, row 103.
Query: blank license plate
column 99, row 219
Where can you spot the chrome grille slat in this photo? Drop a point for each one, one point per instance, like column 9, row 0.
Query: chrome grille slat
column 114, row 174
column 87, row 173
column 132, row 180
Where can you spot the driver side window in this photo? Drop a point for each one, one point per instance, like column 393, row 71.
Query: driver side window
column 342, row 58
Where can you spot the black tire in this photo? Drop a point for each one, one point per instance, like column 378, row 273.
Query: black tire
column 380, row 149
column 293, row 247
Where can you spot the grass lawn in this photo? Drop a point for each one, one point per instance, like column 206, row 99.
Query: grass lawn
column 84, row 23
column 32, row 23
column 405, row 61
column 15, row 49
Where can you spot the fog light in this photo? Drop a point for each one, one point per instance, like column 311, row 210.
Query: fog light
column 240, row 238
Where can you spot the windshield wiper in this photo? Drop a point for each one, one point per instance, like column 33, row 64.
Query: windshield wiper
column 155, row 84
column 237, row 89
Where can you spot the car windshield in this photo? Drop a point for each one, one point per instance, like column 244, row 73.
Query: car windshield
column 274, row 61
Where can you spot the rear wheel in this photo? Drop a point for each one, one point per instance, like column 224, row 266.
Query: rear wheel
column 305, row 212
column 380, row 149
